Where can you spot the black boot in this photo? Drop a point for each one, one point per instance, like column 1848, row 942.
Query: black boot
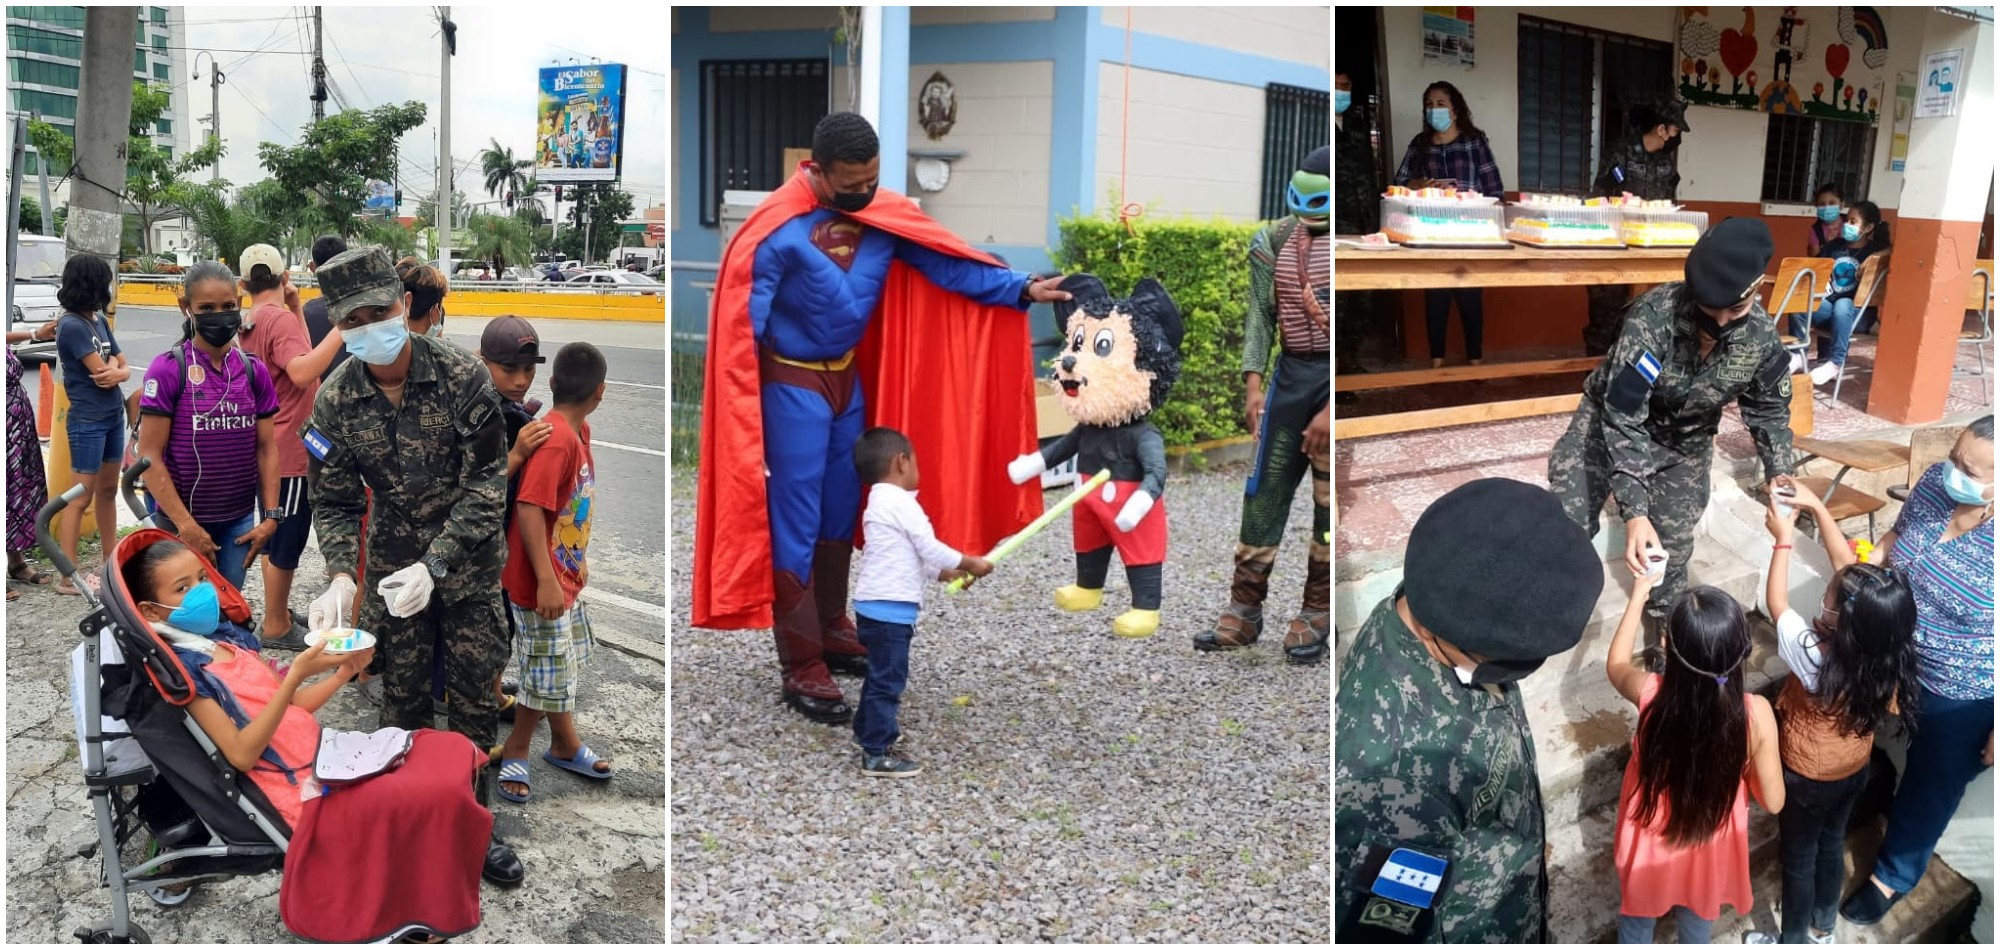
column 1242, row 622
column 503, row 866
column 1305, row 642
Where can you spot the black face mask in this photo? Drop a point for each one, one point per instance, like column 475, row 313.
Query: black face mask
column 1716, row 329
column 852, row 203
column 218, row 328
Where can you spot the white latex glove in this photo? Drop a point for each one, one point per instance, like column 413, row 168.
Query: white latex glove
column 333, row 606
column 1022, row 469
column 407, row 591
column 1134, row 511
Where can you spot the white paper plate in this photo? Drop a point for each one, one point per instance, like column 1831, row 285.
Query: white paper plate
column 362, row 641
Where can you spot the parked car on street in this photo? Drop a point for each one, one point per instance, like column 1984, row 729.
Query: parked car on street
column 38, row 266
column 616, row 281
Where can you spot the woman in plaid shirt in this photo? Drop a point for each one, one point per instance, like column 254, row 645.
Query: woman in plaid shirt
column 1451, row 151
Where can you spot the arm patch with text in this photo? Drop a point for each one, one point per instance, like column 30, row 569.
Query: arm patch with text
column 1634, row 383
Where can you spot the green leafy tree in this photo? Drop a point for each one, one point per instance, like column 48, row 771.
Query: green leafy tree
column 427, row 215
column 603, row 206
column 336, row 158
column 506, row 177
column 152, row 179
column 31, row 215
column 226, row 226
column 501, row 239
column 391, row 234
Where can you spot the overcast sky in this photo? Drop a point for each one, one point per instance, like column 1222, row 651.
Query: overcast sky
column 378, row 55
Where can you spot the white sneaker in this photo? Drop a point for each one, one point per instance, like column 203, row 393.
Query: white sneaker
column 1798, row 362
column 1824, row 373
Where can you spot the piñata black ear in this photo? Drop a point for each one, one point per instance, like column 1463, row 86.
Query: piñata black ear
column 1087, row 294
column 1151, row 300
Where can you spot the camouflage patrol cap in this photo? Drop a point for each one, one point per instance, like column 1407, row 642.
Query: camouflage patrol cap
column 359, row 277
column 1661, row 112
column 1495, row 568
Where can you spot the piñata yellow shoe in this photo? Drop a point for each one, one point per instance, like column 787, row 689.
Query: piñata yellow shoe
column 1133, row 624
column 1073, row 598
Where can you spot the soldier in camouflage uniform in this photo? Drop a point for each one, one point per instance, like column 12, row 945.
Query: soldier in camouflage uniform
column 1290, row 290
column 1645, row 431
column 1357, row 208
column 1432, row 753
column 1645, row 166
column 418, row 423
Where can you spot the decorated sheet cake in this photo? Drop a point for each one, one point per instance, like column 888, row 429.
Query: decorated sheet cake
column 1561, row 221
column 1441, row 217
column 1657, row 223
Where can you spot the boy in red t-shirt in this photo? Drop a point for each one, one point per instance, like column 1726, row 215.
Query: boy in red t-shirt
column 545, row 572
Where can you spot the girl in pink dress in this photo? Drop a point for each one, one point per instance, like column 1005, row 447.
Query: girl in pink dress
column 1683, row 839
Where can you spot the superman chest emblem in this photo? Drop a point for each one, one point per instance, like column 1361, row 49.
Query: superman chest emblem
column 839, row 239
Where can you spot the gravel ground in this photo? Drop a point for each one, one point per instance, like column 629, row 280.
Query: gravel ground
column 1077, row 787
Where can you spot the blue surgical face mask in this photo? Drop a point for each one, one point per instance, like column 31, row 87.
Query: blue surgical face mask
column 377, row 344
column 200, row 611
column 1341, row 100
column 1962, row 488
column 1848, row 232
column 1829, row 213
column 1440, row 119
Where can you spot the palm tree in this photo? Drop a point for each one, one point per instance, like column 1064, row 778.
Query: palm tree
column 505, row 173
column 500, row 239
column 391, row 234
column 229, row 226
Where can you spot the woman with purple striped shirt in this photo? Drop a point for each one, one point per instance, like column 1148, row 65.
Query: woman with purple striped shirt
column 1450, row 150
column 206, row 413
column 1942, row 547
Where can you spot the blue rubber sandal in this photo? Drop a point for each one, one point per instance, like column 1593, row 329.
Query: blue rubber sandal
column 582, row 764
column 513, row 770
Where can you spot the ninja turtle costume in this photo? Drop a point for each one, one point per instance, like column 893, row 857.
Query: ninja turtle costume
column 1650, row 175
column 1645, row 431
column 1290, row 284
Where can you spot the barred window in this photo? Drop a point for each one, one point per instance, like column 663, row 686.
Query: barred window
column 1578, row 89
column 1801, row 152
column 1296, row 121
column 751, row 112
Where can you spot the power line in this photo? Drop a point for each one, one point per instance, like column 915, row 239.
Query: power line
column 260, row 111
column 350, row 70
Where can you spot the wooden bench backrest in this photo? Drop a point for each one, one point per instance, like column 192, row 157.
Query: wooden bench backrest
column 1929, row 447
column 1873, row 271
column 1800, row 302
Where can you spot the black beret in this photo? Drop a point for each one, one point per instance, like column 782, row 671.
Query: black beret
column 1319, row 162
column 1728, row 261
column 1495, row 568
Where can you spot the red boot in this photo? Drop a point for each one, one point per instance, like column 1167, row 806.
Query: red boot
column 809, row 689
column 840, row 649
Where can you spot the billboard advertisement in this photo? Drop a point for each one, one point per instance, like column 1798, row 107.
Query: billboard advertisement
column 381, row 196
column 580, row 129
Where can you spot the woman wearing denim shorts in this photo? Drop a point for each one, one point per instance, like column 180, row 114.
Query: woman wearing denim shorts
column 92, row 368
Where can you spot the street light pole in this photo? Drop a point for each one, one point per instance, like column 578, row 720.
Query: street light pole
column 448, row 44
column 214, row 107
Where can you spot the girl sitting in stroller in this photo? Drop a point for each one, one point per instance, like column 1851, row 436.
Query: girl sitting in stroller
column 354, row 883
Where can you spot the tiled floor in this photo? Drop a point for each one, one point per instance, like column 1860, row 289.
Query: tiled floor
column 1382, row 484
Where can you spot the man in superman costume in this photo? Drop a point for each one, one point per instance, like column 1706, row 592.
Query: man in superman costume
column 836, row 309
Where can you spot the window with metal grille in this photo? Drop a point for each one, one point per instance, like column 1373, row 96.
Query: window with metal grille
column 751, row 112
column 1296, row 121
column 1578, row 89
column 47, row 42
column 44, row 73
column 1801, row 153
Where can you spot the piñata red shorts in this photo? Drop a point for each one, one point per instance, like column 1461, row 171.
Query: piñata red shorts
column 1096, row 523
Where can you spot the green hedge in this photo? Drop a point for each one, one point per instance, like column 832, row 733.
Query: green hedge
column 1205, row 266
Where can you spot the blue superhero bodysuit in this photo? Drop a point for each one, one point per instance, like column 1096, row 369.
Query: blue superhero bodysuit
column 819, row 278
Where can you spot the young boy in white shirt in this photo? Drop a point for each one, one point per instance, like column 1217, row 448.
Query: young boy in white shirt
column 903, row 554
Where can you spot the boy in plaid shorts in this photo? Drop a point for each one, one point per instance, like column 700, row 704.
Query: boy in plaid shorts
column 545, row 572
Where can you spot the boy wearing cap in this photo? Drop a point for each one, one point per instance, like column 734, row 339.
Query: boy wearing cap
column 511, row 349
column 1645, row 430
column 275, row 332
column 1437, row 822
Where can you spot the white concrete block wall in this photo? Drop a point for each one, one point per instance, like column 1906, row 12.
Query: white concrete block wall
column 1722, row 160
column 934, row 16
column 1195, row 145
column 1297, row 34
column 999, row 192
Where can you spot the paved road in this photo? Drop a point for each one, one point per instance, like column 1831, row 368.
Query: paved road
column 627, row 570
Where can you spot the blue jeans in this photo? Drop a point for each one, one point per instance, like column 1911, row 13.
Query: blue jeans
column 1945, row 749
column 1694, row 929
column 882, row 692
column 94, row 443
column 1835, row 312
column 228, row 554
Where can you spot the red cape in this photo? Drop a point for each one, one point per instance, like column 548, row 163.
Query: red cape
column 953, row 375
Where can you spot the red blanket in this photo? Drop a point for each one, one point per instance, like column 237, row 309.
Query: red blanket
column 404, row 847
column 951, row 374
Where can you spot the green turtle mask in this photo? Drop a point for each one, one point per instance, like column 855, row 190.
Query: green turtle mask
column 1309, row 196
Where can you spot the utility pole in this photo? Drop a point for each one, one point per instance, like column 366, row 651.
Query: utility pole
column 448, row 32
column 319, row 69
column 214, row 107
column 104, row 103
column 19, row 144
column 48, row 210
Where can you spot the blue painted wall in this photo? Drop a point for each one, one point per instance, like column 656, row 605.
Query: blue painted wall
column 1076, row 40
